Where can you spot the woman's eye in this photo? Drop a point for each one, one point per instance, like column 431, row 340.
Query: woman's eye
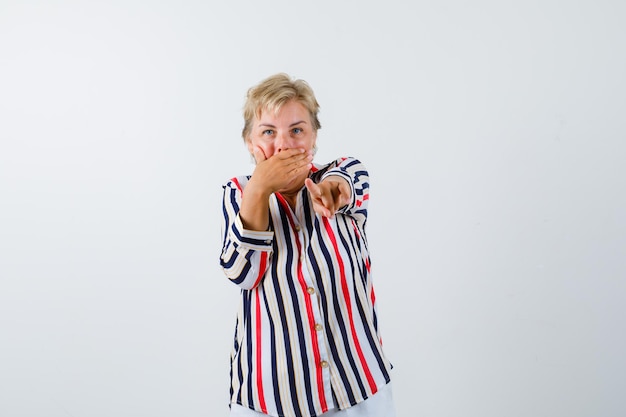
column 297, row 130
column 268, row 132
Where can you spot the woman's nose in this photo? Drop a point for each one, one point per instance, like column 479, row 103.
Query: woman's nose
column 283, row 141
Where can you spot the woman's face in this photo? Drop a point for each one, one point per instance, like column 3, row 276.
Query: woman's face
column 289, row 128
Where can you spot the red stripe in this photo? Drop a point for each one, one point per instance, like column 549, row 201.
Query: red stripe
column 309, row 311
column 262, row 267
column 356, row 230
column 346, row 295
column 236, row 181
column 373, row 304
column 259, row 372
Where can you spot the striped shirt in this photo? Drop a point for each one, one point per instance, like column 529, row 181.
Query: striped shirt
column 306, row 335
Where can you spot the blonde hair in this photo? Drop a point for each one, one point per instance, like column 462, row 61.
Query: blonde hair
column 272, row 93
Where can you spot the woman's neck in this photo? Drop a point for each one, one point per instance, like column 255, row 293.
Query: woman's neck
column 291, row 195
column 291, row 198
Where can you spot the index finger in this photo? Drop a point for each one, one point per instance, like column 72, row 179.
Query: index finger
column 313, row 188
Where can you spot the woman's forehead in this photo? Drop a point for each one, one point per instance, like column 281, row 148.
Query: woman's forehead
column 288, row 111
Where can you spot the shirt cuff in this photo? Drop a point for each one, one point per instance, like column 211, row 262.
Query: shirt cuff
column 347, row 177
column 251, row 239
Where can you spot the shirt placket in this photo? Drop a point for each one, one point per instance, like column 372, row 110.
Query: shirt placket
column 323, row 359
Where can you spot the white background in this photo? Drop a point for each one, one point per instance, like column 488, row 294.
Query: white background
column 494, row 133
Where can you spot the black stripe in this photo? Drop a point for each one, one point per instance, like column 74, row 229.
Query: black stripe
column 292, row 260
column 283, row 317
column 313, row 225
column 342, row 327
column 273, row 356
column 249, row 338
column 373, row 343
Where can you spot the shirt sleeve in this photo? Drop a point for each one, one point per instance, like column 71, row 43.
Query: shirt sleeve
column 246, row 254
column 356, row 174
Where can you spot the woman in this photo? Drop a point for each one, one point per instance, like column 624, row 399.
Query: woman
column 306, row 337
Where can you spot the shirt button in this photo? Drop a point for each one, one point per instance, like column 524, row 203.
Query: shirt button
column 310, row 290
column 324, row 364
column 297, row 228
column 318, row 327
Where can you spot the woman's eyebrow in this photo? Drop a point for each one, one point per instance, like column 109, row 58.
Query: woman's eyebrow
column 271, row 125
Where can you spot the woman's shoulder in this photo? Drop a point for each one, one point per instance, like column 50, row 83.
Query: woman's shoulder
column 237, row 183
column 342, row 161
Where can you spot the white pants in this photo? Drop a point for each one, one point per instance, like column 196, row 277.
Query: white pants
column 379, row 405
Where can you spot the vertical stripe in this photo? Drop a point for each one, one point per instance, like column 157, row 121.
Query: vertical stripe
column 286, row 310
column 246, row 359
column 346, row 294
column 262, row 268
column 259, row 362
column 309, row 310
column 273, row 355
